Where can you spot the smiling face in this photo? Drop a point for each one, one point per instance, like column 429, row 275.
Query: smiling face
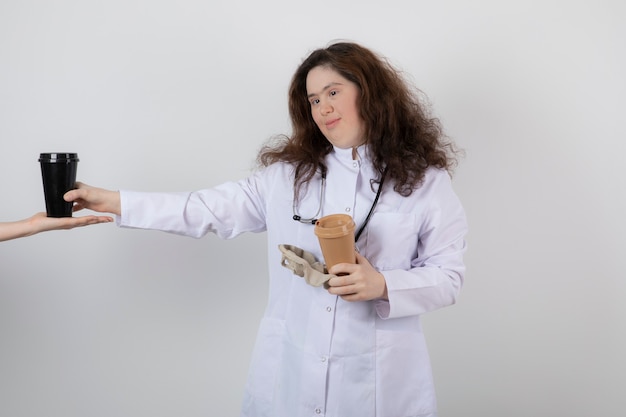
column 333, row 101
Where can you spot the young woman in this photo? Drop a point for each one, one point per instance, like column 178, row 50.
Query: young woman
column 362, row 144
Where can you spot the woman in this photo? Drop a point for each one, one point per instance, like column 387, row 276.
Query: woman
column 361, row 142
column 41, row 223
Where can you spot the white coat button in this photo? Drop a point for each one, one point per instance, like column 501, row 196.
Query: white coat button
column 318, row 411
column 329, row 309
column 354, row 164
column 323, row 358
column 347, row 209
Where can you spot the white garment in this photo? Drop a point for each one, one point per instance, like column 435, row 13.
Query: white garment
column 316, row 354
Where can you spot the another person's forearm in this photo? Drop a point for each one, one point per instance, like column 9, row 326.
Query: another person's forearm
column 17, row 229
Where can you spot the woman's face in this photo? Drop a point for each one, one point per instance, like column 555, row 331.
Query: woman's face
column 333, row 101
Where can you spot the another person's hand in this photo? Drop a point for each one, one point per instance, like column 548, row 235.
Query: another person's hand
column 41, row 223
column 361, row 281
column 96, row 199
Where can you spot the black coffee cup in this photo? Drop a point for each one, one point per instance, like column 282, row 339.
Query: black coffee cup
column 58, row 173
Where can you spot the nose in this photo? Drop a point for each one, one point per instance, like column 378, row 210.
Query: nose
column 325, row 108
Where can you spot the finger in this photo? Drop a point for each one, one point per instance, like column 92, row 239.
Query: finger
column 343, row 290
column 86, row 220
column 340, row 281
column 341, row 269
column 350, row 297
column 96, row 219
column 80, row 191
column 335, row 281
column 73, row 195
column 360, row 259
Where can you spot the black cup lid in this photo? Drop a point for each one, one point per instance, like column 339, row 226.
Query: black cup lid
column 58, row 157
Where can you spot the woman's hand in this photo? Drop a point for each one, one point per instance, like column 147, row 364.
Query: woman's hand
column 357, row 282
column 96, row 199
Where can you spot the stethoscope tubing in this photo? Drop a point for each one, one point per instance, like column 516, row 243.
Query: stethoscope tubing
column 314, row 219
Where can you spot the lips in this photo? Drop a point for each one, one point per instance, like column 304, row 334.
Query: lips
column 332, row 123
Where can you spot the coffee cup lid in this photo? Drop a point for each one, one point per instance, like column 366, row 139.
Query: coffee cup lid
column 58, row 157
column 334, row 225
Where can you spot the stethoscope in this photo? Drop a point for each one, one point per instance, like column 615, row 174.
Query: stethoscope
column 314, row 219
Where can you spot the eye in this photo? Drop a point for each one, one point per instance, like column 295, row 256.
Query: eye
column 314, row 101
column 333, row 92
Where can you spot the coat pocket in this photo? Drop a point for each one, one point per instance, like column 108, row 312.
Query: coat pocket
column 404, row 383
column 391, row 240
column 264, row 364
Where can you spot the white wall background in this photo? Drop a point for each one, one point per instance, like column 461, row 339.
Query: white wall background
column 164, row 95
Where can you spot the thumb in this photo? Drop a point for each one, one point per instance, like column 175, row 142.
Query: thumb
column 76, row 193
column 72, row 195
column 360, row 259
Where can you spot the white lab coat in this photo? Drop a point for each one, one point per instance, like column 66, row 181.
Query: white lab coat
column 316, row 354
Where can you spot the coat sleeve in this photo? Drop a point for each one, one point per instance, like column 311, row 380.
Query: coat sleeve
column 436, row 275
column 226, row 210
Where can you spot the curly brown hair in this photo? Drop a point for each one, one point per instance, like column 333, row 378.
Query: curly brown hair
column 403, row 138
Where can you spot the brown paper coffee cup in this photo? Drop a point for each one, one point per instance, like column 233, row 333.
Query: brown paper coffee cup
column 335, row 233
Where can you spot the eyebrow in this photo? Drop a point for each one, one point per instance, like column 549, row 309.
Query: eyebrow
column 326, row 87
